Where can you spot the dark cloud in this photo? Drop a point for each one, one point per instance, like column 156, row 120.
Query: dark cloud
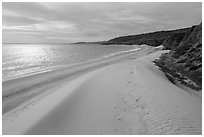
column 69, row 22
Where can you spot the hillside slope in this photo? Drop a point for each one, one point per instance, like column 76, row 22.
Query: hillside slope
column 151, row 39
column 184, row 62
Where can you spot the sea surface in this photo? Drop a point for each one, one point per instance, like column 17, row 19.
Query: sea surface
column 19, row 60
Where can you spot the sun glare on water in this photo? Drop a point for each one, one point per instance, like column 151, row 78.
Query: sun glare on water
column 32, row 52
column 29, row 51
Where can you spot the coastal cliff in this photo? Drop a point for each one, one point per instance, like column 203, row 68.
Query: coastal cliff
column 184, row 62
column 152, row 39
column 173, row 41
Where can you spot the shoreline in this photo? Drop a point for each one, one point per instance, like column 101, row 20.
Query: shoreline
column 33, row 85
column 130, row 96
column 61, row 67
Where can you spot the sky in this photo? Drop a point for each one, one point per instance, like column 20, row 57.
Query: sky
column 75, row 22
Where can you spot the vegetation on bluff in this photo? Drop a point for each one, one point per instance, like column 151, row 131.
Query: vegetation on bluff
column 151, row 39
column 184, row 62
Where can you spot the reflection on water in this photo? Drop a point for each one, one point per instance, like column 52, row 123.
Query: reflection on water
column 21, row 59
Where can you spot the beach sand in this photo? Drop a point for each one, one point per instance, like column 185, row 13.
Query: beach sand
column 126, row 94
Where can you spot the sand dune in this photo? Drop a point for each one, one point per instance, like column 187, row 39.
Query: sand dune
column 129, row 97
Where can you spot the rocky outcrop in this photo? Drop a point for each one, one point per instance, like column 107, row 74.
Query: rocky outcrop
column 184, row 62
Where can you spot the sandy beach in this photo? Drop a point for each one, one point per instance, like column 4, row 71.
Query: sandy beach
column 124, row 94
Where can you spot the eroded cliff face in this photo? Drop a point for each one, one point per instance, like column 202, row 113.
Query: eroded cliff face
column 184, row 62
column 192, row 38
column 173, row 41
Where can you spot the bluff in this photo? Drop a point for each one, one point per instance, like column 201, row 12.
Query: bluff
column 184, row 62
column 152, row 39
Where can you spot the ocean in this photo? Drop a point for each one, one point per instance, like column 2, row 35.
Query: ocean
column 19, row 60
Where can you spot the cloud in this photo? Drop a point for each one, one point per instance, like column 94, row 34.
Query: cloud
column 64, row 22
column 20, row 20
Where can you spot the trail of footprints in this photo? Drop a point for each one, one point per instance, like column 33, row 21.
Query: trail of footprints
column 128, row 112
column 134, row 116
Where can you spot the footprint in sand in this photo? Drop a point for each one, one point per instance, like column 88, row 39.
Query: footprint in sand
column 120, row 119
